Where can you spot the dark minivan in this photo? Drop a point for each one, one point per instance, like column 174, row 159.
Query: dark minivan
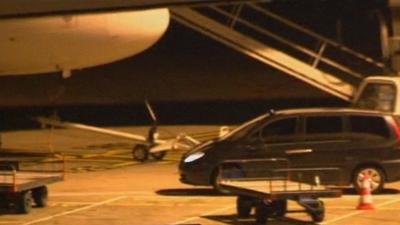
column 358, row 142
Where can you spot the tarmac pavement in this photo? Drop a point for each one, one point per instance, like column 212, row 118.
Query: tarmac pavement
column 104, row 186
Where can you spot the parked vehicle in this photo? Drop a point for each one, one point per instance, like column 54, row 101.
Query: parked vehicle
column 359, row 142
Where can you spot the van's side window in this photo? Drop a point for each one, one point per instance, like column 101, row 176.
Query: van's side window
column 370, row 125
column 324, row 124
column 283, row 127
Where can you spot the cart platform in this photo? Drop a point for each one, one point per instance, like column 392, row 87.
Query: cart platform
column 24, row 182
column 267, row 185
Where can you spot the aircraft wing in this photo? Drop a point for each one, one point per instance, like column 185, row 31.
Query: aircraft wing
column 18, row 8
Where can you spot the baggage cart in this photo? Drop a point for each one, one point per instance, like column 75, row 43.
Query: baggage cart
column 26, row 184
column 269, row 184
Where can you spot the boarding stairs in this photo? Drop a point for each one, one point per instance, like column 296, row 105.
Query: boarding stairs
column 297, row 51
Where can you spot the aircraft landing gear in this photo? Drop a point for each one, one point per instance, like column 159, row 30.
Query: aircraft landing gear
column 141, row 153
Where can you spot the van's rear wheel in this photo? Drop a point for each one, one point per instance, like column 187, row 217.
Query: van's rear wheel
column 375, row 174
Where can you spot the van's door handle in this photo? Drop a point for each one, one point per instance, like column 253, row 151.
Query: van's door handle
column 298, row 151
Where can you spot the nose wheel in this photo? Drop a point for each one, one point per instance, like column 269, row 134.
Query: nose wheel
column 140, row 153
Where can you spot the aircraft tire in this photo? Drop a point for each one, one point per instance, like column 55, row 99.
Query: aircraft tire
column 140, row 153
column 158, row 155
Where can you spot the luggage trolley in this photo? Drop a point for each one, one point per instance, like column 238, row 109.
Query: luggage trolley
column 26, row 184
column 268, row 184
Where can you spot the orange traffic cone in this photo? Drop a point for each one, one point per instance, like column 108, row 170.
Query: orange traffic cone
column 365, row 202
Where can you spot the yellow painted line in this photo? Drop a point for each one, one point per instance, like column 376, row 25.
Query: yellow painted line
column 123, row 164
column 89, row 155
column 68, row 157
column 102, row 154
column 75, row 210
column 95, row 160
column 115, row 152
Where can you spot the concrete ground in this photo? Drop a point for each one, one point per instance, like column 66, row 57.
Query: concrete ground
column 104, row 186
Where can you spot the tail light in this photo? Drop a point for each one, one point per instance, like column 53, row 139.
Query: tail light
column 395, row 124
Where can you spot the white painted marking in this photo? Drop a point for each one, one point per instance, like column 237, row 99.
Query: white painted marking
column 205, row 214
column 358, row 212
column 75, row 210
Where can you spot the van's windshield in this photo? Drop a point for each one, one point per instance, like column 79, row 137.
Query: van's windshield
column 244, row 129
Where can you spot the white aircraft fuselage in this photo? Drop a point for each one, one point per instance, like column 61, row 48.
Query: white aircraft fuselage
column 65, row 43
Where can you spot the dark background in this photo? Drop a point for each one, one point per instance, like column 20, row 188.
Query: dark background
column 188, row 77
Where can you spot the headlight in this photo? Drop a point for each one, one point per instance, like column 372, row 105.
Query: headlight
column 193, row 157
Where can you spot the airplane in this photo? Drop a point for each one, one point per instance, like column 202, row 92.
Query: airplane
column 70, row 42
column 64, row 36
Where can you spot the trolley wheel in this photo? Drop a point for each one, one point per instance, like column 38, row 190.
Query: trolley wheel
column 317, row 211
column 140, row 153
column 318, row 217
column 262, row 213
column 279, row 207
column 40, row 196
column 244, row 204
column 23, row 202
column 158, row 155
